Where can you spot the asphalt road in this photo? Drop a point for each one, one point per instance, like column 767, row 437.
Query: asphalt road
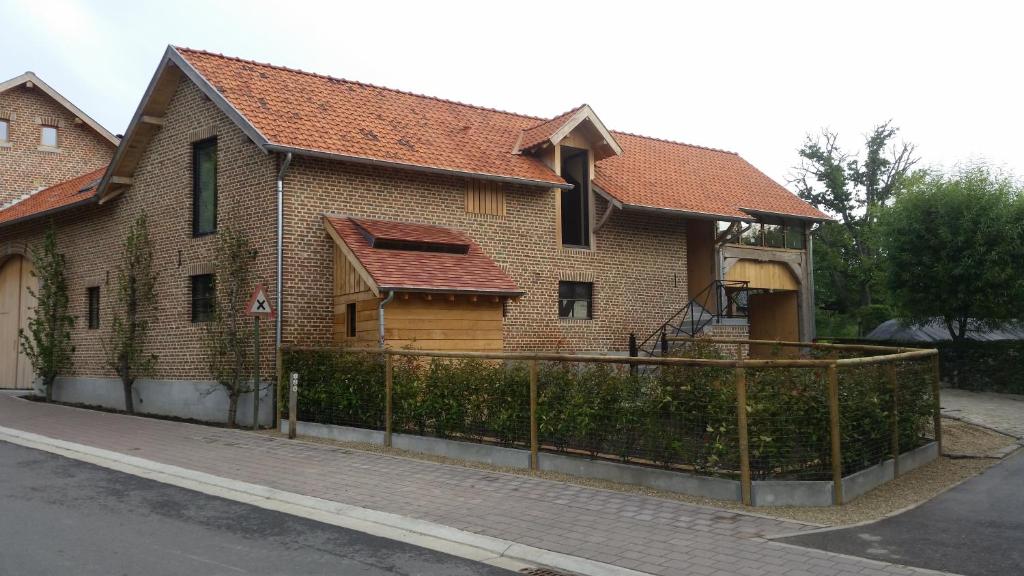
column 975, row 529
column 61, row 516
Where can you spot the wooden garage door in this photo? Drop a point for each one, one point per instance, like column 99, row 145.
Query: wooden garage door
column 15, row 306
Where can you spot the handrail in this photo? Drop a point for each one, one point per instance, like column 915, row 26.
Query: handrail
column 796, row 344
column 696, row 325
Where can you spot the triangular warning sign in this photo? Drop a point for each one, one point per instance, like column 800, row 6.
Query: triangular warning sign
column 259, row 304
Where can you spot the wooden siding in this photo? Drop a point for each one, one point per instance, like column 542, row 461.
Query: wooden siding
column 443, row 324
column 774, row 317
column 700, row 258
column 766, row 275
column 486, row 198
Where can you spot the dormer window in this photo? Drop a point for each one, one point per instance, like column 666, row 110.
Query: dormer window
column 48, row 136
column 576, row 202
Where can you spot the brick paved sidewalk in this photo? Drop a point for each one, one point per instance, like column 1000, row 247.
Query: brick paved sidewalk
column 628, row 530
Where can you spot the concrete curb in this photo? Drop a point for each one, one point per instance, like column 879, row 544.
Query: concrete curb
column 485, row 549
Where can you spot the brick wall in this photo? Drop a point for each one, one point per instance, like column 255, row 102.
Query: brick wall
column 638, row 266
column 23, row 166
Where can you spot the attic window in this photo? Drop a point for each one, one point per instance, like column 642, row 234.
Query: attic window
column 48, row 136
column 4, row 131
column 417, row 246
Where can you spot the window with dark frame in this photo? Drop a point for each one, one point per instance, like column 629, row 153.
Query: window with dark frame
column 576, row 202
column 576, row 300
column 48, row 136
column 204, row 296
column 204, row 187
column 93, row 295
column 350, row 319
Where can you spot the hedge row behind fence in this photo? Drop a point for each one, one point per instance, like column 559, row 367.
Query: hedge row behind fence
column 675, row 417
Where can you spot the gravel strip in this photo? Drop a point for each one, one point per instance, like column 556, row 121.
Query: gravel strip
column 974, row 450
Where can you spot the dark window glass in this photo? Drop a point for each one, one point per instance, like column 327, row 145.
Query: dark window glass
column 795, row 237
column 575, row 300
column 48, row 136
column 94, row 307
column 4, row 135
column 203, row 298
column 350, row 319
column 204, row 187
column 576, row 202
column 773, row 236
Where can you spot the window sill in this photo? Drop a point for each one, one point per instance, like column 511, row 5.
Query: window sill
column 49, row 149
column 575, row 320
column 5, row 144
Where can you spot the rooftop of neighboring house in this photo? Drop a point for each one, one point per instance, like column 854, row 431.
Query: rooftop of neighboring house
column 68, row 194
column 286, row 110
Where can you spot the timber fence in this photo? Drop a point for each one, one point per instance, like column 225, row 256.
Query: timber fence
column 804, row 412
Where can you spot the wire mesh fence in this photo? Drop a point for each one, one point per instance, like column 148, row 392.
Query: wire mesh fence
column 681, row 413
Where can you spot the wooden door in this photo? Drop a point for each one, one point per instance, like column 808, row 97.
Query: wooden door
column 16, row 305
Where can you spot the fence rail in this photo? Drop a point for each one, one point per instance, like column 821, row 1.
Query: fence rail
column 784, row 417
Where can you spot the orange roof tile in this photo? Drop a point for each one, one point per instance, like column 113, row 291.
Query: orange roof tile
column 301, row 110
column 413, row 270
column 77, row 190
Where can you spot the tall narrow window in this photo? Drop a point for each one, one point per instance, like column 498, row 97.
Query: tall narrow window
column 203, row 297
column 350, row 319
column 204, row 187
column 576, row 202
column 48, row 136
column 5, row 131
column 93, row 293
column 576, row 300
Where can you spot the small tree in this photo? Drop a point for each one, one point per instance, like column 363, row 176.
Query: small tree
column 135, row 302
column 48, row 340
column 229, row 335
column 955, row 245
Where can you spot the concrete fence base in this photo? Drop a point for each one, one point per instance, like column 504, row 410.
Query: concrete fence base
column 763, row 492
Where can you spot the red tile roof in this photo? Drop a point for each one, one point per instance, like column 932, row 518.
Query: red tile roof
column 77, row 190
column 411, row 270
column 297, row 109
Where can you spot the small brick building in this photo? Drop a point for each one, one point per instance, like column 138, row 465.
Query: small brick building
column 467, row 228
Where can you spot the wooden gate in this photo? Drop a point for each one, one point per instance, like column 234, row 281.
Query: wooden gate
column 16, row 305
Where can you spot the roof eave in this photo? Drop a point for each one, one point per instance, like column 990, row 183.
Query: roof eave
column 35, row 215
column 443, row 290
column 271, row 147
column 784, row 216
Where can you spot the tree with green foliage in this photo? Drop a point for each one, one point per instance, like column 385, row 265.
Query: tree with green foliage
column 855, row 189
column 955, row 249
column 47, row 343
column 135, row 302
column 230, row 333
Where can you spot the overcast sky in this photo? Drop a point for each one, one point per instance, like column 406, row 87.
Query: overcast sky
column 752, row 77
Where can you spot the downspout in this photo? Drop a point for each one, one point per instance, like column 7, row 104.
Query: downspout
column 280, row 252
column 380, row 316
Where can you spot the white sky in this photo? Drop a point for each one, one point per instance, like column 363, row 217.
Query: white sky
column 753, row 77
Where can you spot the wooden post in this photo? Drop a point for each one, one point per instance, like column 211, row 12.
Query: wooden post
column 837, row 454
column 389, row 362
column 938, row 405
column 534, row 440
column 894, row 383
column 741, row 423
column 293, row 404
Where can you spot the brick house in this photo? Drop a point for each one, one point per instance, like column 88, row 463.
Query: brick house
column 417, row 221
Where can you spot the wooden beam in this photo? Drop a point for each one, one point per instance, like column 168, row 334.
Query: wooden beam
column 152, row 120
column 122, row 180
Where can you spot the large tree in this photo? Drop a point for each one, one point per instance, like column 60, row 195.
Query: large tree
column 230, row 332
column 854, row 188
column 134, row 304
column 47, row 343
column 955, row 248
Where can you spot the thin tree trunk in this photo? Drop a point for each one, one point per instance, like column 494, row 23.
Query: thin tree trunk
column 48, row 384
column 129, row 405
column 232, row 410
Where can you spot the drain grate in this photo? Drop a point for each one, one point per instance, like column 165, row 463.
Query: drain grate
column 543, row 572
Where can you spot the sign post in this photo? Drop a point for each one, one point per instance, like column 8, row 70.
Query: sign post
column 258, row 307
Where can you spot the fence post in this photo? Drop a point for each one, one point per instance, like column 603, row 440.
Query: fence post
column 389, row 361
column 833, row 416
column 938, row 405
column 293, row 404
column 534, row 440
column 890, row 370
column 740, row 374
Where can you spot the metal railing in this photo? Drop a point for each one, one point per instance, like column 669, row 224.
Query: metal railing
column 727, row 300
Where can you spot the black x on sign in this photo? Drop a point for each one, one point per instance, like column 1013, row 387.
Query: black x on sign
column 259, row 304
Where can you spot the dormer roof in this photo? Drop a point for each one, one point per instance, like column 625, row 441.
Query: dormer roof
column 553, row 131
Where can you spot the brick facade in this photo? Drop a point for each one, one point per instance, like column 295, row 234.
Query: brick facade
column 638, row 264
column 24, row 165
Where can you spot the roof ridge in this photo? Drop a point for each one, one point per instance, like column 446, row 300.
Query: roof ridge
column 676, row 142
column 553, row 118
column 366, row 84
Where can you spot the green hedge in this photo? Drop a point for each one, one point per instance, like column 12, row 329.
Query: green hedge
column 983, row 366
column 675, row 416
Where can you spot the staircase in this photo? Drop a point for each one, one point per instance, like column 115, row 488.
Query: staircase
column 729, row 298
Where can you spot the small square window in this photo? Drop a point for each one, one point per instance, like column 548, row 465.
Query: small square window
column 576, row 300
column 48, row 136
column 94, row 307
column 350, row 319
column 204, row 295
column 5, row 134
